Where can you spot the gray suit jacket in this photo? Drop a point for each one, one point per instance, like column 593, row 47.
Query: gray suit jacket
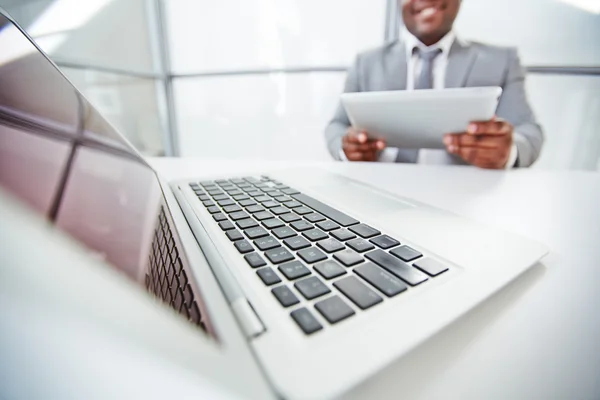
column 469, row 65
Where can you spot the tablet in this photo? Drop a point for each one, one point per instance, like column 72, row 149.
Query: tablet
column 419, row 119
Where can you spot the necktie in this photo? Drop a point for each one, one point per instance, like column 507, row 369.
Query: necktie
column 425, row 79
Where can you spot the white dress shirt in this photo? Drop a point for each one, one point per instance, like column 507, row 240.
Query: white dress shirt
column 440, row 64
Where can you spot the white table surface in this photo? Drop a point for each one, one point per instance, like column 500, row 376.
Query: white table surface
column 539, row 338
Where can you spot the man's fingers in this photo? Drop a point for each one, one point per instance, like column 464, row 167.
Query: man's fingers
column 469, row 154
column 357, row 136
column 359, row 147
column 481, row 141
column 493, row 127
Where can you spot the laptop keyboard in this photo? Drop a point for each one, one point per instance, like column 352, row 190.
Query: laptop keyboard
column 297, row 243
column 166, row 278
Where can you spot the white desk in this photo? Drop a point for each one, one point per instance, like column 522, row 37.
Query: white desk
column 537, row 339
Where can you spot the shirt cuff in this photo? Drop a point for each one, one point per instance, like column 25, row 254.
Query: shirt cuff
column 388, row 155
column 512, row 158
column 343, row 155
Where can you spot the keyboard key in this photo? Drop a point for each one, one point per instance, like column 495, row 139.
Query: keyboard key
column 236, row 216
column 240, row 197
column 268, row 276
column 271, row 204
column 302, row 210
column 334, row 309
column 272, row 223
column 267, row 243
column 214, row 210
column 365, row 231
column 348, row 257
column 279, row 255
column 328, row 226
column 293, row 204
column 263, row 215
column 247, row 203
column 382, row 280
column 243, row 246
column 301, row 225
column 234, row 235
column 232, row 209
column 284, row 232
column 255, row 260
column 204, row 197
column 246, row 223
column 297, row 243
column 226, row 202
column 385, row 242
column 406, row 253
column 279, row 210
column 311, row 288
column 234, row 192
column 220, row 197
column 360, row 245
column 237, row 181
column 314, row 218
column 306, row 321
column 315, row 235
column 290, row 191
column 330, row 269
column 342, row 235
column 215, row 192
column 263, row 199
column 331, row 245
column 312, row 255
column 283, row 199
column 188, row 295
column 294, row 270
column 396, row 267
column 208, row 203
column 358, row 292
column 291, row 217
column 431, row 266
column 255, row 233
column 285, row 296
column 226, row 225
column 255, row 193
column 255, row 209
column 270, row 190
column 330, row 212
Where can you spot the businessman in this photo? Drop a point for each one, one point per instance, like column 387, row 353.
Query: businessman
column 429, row 55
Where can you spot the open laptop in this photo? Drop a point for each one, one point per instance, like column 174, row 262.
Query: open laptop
column 291, row 284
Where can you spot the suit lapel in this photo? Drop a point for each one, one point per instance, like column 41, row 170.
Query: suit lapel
column 396, row 67
column 460, row 63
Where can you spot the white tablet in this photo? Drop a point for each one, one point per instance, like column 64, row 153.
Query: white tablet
column 419, row 119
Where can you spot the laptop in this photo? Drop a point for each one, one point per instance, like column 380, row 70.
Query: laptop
column 293, row 283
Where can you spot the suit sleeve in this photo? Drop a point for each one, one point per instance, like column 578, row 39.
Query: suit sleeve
column 514, row 107
column 337, row 127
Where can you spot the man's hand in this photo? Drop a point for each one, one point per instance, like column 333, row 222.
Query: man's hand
column 358, row 147
column 485, row 144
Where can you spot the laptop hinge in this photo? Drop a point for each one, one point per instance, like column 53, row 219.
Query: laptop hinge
column 250, row 323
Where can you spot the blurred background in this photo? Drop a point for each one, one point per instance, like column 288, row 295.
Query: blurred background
column 259, row 79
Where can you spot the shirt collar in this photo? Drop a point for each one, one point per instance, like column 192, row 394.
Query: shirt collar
column 411, row 42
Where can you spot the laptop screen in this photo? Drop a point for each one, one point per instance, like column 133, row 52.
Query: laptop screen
column 58, row 155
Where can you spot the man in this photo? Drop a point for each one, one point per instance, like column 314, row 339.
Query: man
column 430, row 56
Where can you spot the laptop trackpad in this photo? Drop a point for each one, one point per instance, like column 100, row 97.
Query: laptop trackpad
column 360, row 198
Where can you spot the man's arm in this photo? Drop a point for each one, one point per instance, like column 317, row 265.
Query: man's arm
column 514, row 108
column 339, row 124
